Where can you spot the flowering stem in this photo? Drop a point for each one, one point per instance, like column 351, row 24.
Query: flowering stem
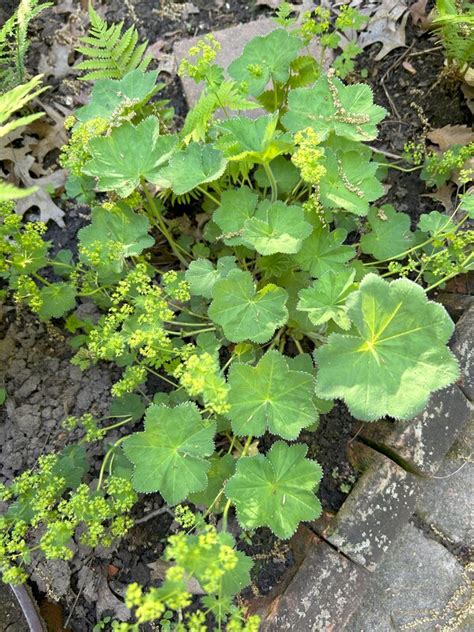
column 273, row 182
column 161, row 223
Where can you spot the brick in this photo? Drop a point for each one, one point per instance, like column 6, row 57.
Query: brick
column 321, row 596
column 422, row 443
column 419, row 586
column 463, row 347
column 380, row 504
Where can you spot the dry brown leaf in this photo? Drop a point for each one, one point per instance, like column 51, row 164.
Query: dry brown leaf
column 444, row 195
column 387, row 22
column 418, row 12
column 449, row 135
column 40, row 198
column 409, row 67
column 468, row 92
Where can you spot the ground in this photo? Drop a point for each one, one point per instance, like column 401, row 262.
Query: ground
column 35, row 358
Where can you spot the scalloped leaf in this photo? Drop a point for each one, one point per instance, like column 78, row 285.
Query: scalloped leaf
column 332, row 107
column 202, row 274
column 245, row 313
column 326, row 299
column 236, row 207
column 109, row 95
column 324, row 251
column 276, row 490
column 169, row 456
column 114, row 234
column 390, row 233
column 270, row 397
column 276, row 228
column 396, row 356
column 350, row 182
column 120, row 160
column 57, row 300
column 191, row 167
column 265, row 58
column 256, row 140
column 436, row 224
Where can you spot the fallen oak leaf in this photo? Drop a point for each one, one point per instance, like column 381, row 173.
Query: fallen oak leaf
column 386, row 25
column 450, row 135
column 418, row 13
column 41, row 198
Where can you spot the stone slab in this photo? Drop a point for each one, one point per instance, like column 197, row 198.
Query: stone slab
column 422, row 443
column 462, row 345
column 233, row 41
column 380, row 504
column 446, row 502
column 321, row 596
column 418, row 586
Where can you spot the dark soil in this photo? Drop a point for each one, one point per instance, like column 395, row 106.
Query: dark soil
column 44, row 387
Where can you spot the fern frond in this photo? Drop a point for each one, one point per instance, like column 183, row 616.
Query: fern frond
column 455, row 21
column 109, row 51
column 14, row 41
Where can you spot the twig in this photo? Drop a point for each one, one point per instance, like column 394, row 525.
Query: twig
column 153, row 514
column 385, row 153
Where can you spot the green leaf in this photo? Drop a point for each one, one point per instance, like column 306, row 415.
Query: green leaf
column 436, row 224
column 202, row 274
column 245, row 314
column 57, row 300
column 110, row 96
column 236, row 207
column 256, row 140
column 325, row 299
column 396, row 355
column 350, row 182
column 266, row 58
column 222, row 468
column 276, row 228
column 120, row 160
column 72, row 465
column 324, row 251
column 467, row 204
column 331, row 107
column 191, row 167
column 270, row 397
column 113, row 235
column 276, row 490
column 390, row 235
column 3, row 396
column 128, row 405
column 197, row 560
column 169, row 455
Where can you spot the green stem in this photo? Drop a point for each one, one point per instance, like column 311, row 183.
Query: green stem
column 273, row 182
column 41, row 278
column 162, row 225
column 209, row 195
column 106, row 458
column 449, row 276
column 117, row 425
column 199, row 331
column 392, row 166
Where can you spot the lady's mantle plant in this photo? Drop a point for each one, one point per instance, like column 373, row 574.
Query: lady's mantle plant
column 243, row 261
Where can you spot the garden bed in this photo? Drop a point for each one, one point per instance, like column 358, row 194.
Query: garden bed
column 359, row 461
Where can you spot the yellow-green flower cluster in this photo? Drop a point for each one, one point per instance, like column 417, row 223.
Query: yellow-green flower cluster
column 176, row 287
column 308, row 156
column 88, row 422
column 184, row 516
column 439, row 168
column 200, row 376
column 203, row 55
column 76, row 153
